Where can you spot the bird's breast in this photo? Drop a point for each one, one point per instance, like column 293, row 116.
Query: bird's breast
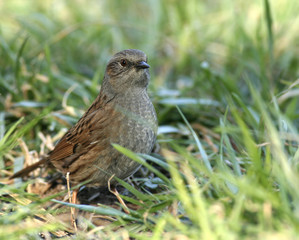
column 138, row 128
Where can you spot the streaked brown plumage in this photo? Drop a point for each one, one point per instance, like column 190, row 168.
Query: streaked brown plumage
column 122, row 113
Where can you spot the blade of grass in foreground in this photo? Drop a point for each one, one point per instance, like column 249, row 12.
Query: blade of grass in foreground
column 133, row 190
column 100, row 210
column 201, row 149
column 286, row 174
column 141, row 161
column 189, row 194
column 9, row 140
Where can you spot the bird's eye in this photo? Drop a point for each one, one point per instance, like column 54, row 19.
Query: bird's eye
column 123, row 62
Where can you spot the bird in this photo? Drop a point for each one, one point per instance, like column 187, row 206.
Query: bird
column 122, row 113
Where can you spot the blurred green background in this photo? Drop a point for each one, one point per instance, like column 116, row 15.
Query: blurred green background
column 194, row 46
column 231, row 66
column 205, row 50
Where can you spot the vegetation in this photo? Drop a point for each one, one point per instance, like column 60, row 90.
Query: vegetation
column 224, row 84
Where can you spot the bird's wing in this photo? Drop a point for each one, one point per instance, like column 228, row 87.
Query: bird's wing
column 88, row 129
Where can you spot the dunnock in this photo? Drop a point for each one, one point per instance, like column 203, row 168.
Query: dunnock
column 122, row 113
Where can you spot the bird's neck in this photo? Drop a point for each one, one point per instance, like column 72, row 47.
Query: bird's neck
column 131, row 95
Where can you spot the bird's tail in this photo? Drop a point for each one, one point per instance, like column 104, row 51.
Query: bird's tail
column 24, row 172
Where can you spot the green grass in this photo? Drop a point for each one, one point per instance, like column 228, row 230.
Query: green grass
column 224, row 77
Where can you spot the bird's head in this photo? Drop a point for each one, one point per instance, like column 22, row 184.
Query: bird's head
column 127, row 70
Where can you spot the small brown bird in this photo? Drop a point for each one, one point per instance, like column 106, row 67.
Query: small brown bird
column 122, row 113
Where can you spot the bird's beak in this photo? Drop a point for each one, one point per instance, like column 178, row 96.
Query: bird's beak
column 142, row 64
